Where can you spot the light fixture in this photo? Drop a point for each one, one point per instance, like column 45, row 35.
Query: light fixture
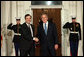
column 49, row 2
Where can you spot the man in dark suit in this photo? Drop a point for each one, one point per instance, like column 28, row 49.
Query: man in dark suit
column 27, row 42
column 47, row 35
column 17, row 34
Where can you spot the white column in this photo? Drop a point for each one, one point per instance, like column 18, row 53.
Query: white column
column 14, row 12
column 80, row 20
column 3, row 48
column 73, row 9
column 6, row 20
column 69, row 9
column 65, row 18
column 22, row 9
column 27, row 9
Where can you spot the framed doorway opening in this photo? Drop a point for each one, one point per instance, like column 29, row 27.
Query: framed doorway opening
column 54, row 12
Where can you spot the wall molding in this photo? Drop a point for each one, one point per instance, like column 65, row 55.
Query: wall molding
column 45, row 6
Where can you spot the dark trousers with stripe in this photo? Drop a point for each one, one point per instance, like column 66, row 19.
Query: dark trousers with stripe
column 74, row 48
column 16, row 48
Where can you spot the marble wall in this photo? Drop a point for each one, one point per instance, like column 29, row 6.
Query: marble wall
column 69, row 9
column 12, row 9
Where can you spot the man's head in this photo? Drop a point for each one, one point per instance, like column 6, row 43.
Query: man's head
column 44, row 17
column 73, row 20
column 18, row 21
column 28, row 18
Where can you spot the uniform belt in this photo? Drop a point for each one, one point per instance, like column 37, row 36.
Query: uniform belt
column 73, row 32
column 17, row 34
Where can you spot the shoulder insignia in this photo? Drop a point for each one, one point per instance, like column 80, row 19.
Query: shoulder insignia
column 77, row 25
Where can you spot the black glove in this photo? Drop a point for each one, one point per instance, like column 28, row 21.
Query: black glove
column 11, row 23
column 67, row 23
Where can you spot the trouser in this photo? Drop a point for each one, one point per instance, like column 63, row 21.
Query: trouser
column 16, row 48
column 48, row 51
column 28, row 51
column 74, row 48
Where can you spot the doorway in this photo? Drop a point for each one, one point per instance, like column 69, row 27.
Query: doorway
column 54, row 14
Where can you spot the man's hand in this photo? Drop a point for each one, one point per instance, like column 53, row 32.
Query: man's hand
column 56, row 46
column 35, row 39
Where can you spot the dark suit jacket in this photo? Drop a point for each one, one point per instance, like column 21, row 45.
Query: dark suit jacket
column 27, row 39
column 51, row 38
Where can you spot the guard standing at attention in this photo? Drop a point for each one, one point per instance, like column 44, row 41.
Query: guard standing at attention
column 75, row 35
column 17, row 34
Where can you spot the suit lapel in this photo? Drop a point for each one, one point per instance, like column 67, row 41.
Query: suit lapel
column 42, row 28
column 48, row 28
column 27, row 27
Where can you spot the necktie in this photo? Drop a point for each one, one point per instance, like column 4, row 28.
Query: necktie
column 45, row 29
column 31, row 29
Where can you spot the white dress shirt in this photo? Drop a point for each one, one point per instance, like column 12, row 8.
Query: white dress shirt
column 46, row 25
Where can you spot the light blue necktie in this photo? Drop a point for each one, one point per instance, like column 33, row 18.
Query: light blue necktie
column 45, row 29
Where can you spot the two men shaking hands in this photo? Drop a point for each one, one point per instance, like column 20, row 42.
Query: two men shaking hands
column 46, row 35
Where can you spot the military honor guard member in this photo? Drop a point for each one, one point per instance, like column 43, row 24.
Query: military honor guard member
column 17, row 33
column 75, row 35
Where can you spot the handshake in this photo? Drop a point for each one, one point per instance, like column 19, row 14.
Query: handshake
column 35, row 39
